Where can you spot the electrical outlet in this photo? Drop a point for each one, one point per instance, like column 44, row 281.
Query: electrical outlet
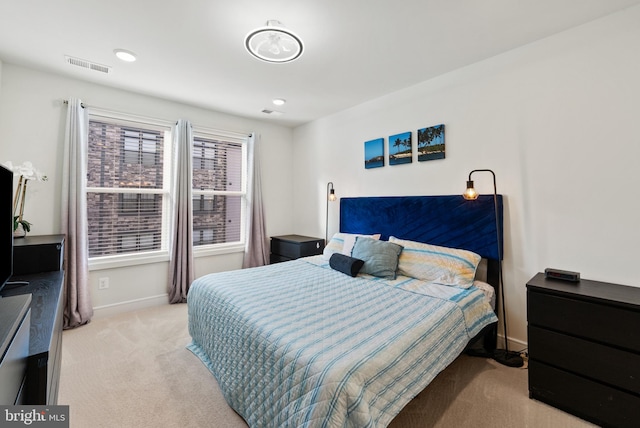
column 103, row 283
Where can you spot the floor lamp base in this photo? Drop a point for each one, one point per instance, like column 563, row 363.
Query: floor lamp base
column 508, row 358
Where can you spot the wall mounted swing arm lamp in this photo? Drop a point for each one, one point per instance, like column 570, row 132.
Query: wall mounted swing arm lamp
column 503, row 356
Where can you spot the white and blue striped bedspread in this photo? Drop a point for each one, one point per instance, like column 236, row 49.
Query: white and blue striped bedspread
column 297, row 344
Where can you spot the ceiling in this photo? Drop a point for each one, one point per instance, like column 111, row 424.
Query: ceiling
column 192, row 51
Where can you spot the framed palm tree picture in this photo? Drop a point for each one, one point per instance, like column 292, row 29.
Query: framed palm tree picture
column 400, row 148
column 431, row 143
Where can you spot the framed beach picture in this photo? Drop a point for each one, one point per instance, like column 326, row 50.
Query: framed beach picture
column 431, row 143
column 400, row 148
column 374, row 153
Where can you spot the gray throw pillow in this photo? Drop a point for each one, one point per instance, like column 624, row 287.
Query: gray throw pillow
column 380, row 257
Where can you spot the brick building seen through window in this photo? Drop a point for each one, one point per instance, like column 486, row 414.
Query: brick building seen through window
column 127, row 195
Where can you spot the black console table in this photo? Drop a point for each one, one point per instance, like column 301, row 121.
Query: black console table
column 584, row 349
column 46, row 290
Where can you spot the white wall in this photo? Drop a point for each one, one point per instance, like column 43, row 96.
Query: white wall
column 32, row 128
column 558, row 122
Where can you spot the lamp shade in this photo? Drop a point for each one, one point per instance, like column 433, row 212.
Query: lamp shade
column 274, row 43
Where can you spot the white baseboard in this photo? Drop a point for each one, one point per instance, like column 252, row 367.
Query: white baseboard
column 514, row 344
column 129, row 306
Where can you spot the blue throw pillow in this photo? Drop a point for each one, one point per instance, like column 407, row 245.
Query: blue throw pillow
column 380, row 257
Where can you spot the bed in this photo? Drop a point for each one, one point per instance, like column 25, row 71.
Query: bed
column 303, row 344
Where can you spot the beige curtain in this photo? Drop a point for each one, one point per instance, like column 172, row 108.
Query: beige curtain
column 256, row 251
column 78, row 309
column 181, row 269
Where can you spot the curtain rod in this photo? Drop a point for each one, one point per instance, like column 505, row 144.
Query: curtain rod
column 225, row 133
column 67, row 102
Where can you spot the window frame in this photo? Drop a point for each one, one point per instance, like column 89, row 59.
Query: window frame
column 243, row 141
column 144, row 256
column 162, row 255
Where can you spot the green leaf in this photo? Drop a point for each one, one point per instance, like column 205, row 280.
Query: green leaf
column 25, row 224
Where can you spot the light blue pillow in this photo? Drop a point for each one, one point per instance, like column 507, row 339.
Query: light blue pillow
column 342, row 243
column 380, row 257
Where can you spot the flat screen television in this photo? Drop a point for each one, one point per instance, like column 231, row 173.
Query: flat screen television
column 6, row 225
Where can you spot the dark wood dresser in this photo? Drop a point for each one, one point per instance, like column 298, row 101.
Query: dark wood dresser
column 46, row 290
column 584, row 349
column 290, row 247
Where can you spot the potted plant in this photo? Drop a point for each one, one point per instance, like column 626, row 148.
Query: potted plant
column 26, row 172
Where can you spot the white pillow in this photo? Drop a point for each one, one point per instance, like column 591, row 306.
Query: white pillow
column 442, row 265
column 343, row 243
column 489, row 292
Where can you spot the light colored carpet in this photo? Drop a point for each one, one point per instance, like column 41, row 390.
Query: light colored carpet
column 133, row 370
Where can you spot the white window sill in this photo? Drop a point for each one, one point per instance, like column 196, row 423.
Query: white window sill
column 111, row 262
column 214, row 250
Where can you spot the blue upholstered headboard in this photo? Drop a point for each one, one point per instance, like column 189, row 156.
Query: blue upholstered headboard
column 448, row 221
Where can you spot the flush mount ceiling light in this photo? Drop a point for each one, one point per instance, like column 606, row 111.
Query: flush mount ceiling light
column 279, row 101
column 274, row 43
column 125, row 55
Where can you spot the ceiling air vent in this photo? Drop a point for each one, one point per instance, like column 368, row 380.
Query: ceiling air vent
column 87, row 64
column 272, row 112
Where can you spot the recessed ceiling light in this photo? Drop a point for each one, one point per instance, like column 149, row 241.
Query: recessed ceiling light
column 279, row 101
column 125, row 55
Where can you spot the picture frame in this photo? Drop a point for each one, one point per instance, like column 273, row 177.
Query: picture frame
column 374, row 153
column 400, row 148
column 431, row 145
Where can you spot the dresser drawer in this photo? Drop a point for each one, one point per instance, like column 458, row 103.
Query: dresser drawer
column 15, row 325
column 599, row 322
column 609, row 365
column 587, row 399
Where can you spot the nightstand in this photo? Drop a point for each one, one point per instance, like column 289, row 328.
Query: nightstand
column 584, row 348
column 290, row 247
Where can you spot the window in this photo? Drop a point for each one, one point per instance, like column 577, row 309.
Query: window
column 127, row 186
column 219, row 189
